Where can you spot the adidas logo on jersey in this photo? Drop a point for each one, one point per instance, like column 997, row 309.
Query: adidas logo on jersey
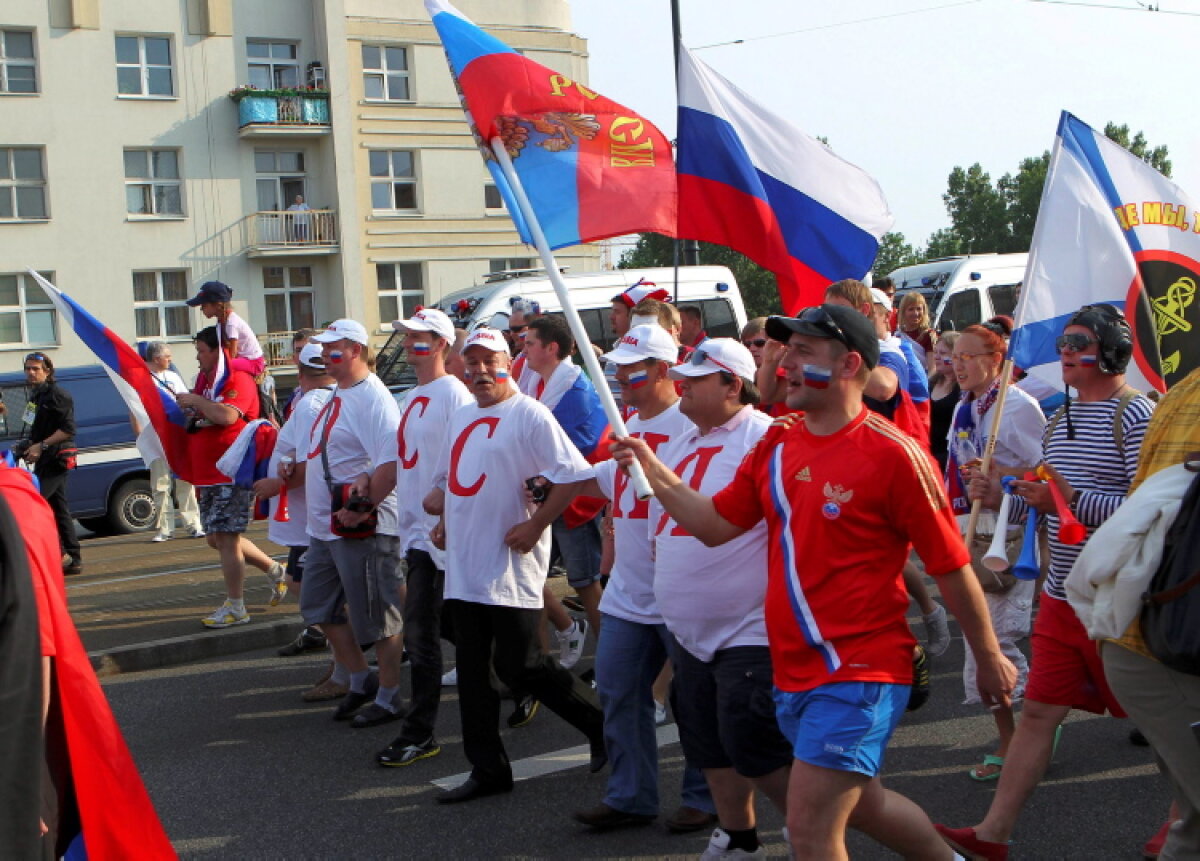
column 804, row 475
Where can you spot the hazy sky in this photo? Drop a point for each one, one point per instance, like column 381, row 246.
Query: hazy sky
column 909, row 96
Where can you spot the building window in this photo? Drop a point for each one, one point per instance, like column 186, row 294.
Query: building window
column 289, row 298
column 159, row 304
column 491, row 197
column 273, row 65
column 144, row 66
column 280, row 177
column 27, row 315
column 504, row 264
column 22, row 184
column 18, row 66
column 393, row 179
column 385, row 73
column 401, row 288
column 152, row 184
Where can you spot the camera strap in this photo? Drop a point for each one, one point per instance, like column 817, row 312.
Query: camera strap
column 335, row 407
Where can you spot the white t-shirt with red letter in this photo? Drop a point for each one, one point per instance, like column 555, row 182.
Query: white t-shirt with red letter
column 711, row 598
column 630, row 591
column 293, row 437
column 361, row 424
column 491, row 452
column 421, row 441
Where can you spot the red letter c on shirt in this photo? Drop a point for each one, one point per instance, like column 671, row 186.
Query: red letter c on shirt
column 423, row 403
column 456, row 487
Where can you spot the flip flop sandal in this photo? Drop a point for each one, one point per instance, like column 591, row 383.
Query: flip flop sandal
column 988, row 761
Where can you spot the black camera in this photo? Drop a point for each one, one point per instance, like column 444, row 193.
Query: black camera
column 538, row 488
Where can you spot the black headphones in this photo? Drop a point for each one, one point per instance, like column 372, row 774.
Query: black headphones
column 1110, row 326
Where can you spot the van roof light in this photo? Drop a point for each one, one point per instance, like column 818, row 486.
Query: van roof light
column 722, row 287
column 975, row 276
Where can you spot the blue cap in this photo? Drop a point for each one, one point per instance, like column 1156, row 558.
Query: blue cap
column 211, row 291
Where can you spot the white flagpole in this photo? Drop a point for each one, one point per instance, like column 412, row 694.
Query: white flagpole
column 640, row 485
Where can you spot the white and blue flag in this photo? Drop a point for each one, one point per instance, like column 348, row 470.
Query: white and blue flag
column 1111, row 229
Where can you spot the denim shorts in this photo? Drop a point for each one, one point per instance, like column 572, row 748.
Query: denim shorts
column 580, row 549
column 844, row 726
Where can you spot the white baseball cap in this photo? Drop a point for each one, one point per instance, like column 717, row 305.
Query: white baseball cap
column 427, row 320
column 310, row 355
column 717, row 354
column 644, row 342
column 485, row 337
column 338, row 330
column 880, row 298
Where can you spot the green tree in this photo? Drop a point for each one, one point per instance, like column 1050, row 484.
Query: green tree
column 943, row 243
column 977, row 210
column 759, row 290
column 894, row 252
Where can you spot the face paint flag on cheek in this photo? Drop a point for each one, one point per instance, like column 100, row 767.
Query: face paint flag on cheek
column 335, row 356
column 638, row 379
column 1088, row 360
column 817, row 377
column 420, row 348
column 501, row 376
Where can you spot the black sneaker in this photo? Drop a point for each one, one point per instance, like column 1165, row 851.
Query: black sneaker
column 919, row 692
column 355, row 701
column 526, row 708
column 309, row 640
column 399, row 753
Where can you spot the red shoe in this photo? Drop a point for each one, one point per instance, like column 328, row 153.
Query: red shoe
column 964, row 841
column 1154, row 846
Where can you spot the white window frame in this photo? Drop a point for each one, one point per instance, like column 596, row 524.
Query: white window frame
column 160, row 305
column 392, row 180
column 151, row 184
column 403, row 289
column 272, row 63
column 9, row 185
column 24, row 308
column 7, row 63
column 383, row 72
column 286, row 292
column 144, row 66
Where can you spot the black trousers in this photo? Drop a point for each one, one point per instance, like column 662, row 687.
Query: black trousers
column 423, row 642
column 507, row 637
column 54, row 491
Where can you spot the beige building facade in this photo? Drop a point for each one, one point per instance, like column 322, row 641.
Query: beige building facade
column 129, row 176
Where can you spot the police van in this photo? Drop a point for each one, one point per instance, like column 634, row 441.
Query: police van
column 109, row 490
column 964, row 290
column 712, row 289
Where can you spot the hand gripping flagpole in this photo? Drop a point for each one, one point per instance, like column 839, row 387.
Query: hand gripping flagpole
column 989, row 449
column 638, row 478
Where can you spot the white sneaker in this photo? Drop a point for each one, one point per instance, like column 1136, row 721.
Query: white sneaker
column 660, row 713
column 937, row 632
column 226, row 615
column 450, row 679
column 160, row 537
column 196, row 533
column 277, row 576
column 570, row 644
column 718, row 847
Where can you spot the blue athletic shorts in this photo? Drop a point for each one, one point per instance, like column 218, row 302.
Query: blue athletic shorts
column 844, row 726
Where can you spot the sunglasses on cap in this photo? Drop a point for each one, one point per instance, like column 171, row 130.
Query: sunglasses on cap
column 755, row 342
column 1075, row 342
column 37, row 357
column 699, row 357
column 817, row 316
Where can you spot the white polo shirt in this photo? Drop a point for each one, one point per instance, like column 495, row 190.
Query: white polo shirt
column 491, row 452
column 629, row 594
column 711, row 598
column 362, row 422
column 421, row 441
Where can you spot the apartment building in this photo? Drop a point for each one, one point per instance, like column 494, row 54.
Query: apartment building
column 149, row 146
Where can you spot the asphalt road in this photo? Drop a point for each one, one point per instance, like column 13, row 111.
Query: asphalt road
column 239, row 767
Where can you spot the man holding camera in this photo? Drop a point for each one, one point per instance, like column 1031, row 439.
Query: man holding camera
column 353, row 558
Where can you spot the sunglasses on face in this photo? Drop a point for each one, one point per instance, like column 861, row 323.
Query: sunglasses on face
column 1074, row 342
column 516, row 330
column 755, row 342
column 966, row 357
column 817, row 316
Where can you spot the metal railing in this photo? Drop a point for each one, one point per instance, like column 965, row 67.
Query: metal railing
column 277, row 348
column 294, row 229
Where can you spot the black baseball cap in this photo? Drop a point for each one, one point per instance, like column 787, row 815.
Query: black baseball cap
column 835, row 322
column 211, row 291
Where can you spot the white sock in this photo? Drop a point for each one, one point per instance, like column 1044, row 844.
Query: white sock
column 341, row 676
column 386, row 696
column 358, row 681
column 569, row 632
column 238, row 604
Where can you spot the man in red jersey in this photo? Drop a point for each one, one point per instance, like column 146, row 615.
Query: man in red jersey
column 854, row 492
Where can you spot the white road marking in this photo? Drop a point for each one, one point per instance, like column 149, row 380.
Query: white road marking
column 558, row 760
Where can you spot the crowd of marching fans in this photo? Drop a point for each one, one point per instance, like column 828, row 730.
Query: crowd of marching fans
column 744, row 555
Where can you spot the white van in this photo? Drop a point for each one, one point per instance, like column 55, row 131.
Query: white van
column 712, row 289
column 964, row 290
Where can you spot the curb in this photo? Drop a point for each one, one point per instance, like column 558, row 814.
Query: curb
column 156, row 654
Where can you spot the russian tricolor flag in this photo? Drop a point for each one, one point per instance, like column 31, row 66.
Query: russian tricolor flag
column 249, row 459
column 750, row 180
column 591, row 168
